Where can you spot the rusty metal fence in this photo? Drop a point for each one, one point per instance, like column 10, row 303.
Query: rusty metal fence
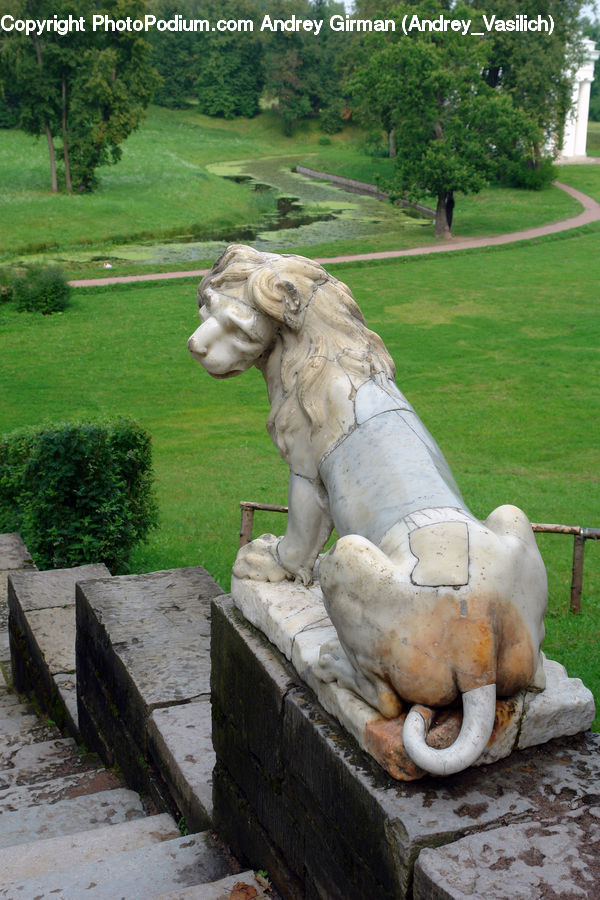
column 580, row 536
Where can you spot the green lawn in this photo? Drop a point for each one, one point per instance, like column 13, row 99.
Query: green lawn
column 497, row 349
column 593, row 139
column 584, row 177
column 161, row 188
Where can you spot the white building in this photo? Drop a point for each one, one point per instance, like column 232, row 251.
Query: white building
column 576, row 123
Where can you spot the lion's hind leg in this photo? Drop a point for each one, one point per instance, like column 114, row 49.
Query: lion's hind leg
column 356, row 578
column 334, row 665
column 393, row 631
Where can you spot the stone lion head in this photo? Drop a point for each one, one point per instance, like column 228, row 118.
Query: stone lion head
column 259, row 307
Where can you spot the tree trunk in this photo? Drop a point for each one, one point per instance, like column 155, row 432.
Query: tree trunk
column 65, row 135
column 449, row 208
column 53, row 178
column 392, row 143
column 442, row 229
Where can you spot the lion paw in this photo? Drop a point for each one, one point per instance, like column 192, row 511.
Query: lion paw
column 333, row 664
column 258, row 561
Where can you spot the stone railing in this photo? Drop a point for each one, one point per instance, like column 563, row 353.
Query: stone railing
column 362, row 187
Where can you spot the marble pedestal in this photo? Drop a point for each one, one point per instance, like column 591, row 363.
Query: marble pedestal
column 294, row 793
column 294, row 619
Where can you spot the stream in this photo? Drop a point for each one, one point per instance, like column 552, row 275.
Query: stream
column 308, row 212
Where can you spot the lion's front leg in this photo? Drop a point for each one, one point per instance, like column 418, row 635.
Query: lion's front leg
column 308, row 527
column 294, row 555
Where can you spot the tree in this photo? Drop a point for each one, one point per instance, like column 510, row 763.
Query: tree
column 88, row 89
column 301, row 68
column 229, row 70
column 371, row 86
column 27, row 70
column 174, row 55
column 107, row 92
column 536, row 68
column 453, row 132
column 285, row 82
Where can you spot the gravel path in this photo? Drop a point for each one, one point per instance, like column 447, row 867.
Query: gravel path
column 590, row 213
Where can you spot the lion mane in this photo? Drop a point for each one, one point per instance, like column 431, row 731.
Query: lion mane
column 322, row 332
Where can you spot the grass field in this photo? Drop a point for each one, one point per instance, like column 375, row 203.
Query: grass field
column 163, row 189
column 497, row 349
column 593, row 139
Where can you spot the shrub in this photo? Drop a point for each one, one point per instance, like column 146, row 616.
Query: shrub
column 5, row 286
column 524, row 173
column 78, row 493
column 41, row 289
column 330, row 119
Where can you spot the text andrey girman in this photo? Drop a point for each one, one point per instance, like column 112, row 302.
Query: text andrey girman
column 336, row 23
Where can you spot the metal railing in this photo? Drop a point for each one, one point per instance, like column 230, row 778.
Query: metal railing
column 248, row 508
column 580, row 536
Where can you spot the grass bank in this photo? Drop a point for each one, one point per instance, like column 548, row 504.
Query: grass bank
column 495, row 348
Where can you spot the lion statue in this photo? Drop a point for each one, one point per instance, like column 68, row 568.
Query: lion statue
column 429, row 604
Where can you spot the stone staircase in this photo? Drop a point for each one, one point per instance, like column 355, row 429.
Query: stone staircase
column 69, row 827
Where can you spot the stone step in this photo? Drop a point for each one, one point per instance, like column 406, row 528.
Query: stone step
column 9, row 702
column 24, row 796
column 131, row 875
column 42, row 636
column 13, row 556
column 34, row 762
column 244, row 886
column 180, row 743
column 22, row 823
column 35, row 735
column 16, row 718
column 7, row 698
column 522, row 861
column 35, row 858
column 143, row 654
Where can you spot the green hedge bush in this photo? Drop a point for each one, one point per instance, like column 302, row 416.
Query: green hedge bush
column 524, row 174
column 41, row 289
column 78, row 493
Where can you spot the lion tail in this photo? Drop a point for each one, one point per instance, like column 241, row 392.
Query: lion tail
column 479, row 710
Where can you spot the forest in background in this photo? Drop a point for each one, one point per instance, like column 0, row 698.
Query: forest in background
column 455, row 114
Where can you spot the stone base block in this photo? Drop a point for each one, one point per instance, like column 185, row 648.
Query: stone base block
column 295, row 794
column 42, row 637
column 143, row 683
column 14, row 556
column 294, row 618
column 180, row 741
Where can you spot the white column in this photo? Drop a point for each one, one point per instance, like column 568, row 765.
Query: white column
column 583, row 111
column 576, row 122
column 568, row 147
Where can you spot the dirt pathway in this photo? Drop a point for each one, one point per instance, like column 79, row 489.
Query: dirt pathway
column 590, row 213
